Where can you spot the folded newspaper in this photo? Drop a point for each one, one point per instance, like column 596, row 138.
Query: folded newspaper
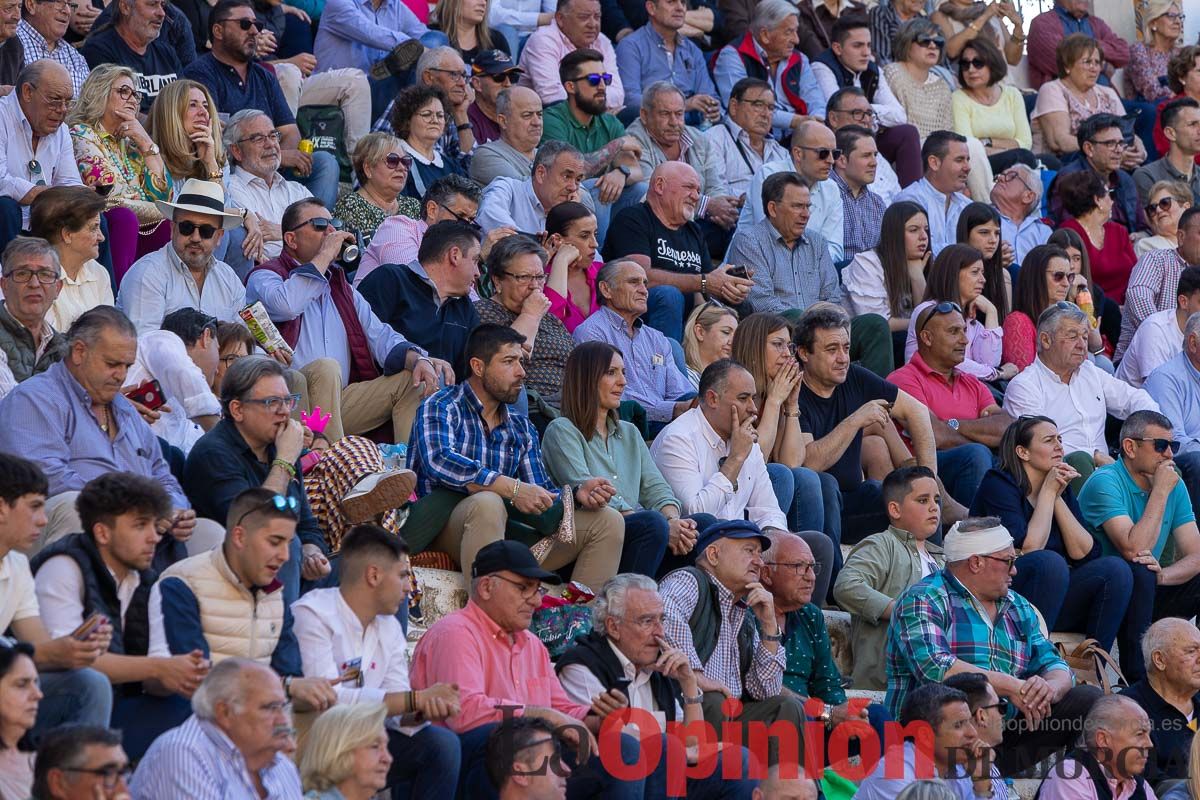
column 256, row 319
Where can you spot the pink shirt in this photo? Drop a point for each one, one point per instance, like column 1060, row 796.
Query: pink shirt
column 396, row 241
column 1081, row 787
column 491, row 667
column 965, row 398
column 571, row 314
column 543, row 51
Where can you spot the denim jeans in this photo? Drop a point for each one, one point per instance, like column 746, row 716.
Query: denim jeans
column 712, row 787
column 863, row 512
column 666, row 309
column 962, row 469
column 1149, row 602
column 142, row 718
column 1189, row 467
column 425, row 764
column 322, row 180
column 73, row 697
column 796, row 489
column 671, row 562
column 646, row 534
column 630, row 196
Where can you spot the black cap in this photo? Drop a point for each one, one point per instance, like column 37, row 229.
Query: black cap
column 732, row 529
column 511, row 556
column 493, row 62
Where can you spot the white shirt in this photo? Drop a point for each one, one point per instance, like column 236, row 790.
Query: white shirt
column 268, row 200
column 827, row 217
column 887, row 107
column 582, row 686
column 18, row 599
column 159, row 283
column 332, row 638
column 687, row 453
column 943, row 219
column 887, row 182
column 55, row 154
column 163, row 356
column 60, row 591
column 1078, row 408
column 1158, row 339
column 521, row 14
column 737, row 158
column 91, row 288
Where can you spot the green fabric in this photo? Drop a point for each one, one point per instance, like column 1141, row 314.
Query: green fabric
column 835, row 787
column 810, row 669
column 1085, row 465
column 870, row 341
column 560, row 124
column 622, row 457
column 430, row 514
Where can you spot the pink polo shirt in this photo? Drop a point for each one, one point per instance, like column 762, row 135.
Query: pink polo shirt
column 491, row 667
column 965, row 398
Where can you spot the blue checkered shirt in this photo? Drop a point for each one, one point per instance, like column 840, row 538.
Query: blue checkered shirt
column 862, row 218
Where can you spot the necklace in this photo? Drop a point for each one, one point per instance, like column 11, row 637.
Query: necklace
column 104, row 424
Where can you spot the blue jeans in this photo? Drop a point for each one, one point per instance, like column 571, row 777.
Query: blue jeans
column 1097, row 599
column 289, row 573
column 646, row 534
column 322, row 181
column 795, row 489
column 1189, row 467
column 862, row 512
column 962, row 469
column 73, row 697
column 630, row 196
column 665, row 311
column 10, row 221
column 670, row 561
column 425, row 764
column 142, row 718
column 713, row 787
column 586, row 780
column 1148, row 602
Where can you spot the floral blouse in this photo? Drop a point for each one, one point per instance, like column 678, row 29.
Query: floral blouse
column 363, row 216
column 1146, row 66
column 105, row 160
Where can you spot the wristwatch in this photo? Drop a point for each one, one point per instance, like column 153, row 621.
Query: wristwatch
column 152, row 150
column 826, row 715
column 952, row 424
column 624, row 170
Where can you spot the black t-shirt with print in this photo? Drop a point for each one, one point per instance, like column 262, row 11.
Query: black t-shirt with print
column 637, row 231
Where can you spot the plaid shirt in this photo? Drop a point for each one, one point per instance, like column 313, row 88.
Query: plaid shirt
column 452, row 447
column 938, row 622
column 862, row 218
column 680, row 594
column 36, row 49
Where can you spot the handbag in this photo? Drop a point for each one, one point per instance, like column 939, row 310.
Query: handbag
column 1091, row 664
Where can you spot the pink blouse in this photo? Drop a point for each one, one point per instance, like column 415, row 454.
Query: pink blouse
column 566, row 310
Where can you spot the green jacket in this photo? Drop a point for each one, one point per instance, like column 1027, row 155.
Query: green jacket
column 16, row 342
column 877, row 571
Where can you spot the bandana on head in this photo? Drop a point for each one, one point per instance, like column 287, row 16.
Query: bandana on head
column 960, row 545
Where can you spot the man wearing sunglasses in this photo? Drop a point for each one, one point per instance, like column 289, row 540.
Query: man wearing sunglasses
column 576, row 26
column 1017, row 196
column 492, row 71
column 1181, row 127
column 1133, row 507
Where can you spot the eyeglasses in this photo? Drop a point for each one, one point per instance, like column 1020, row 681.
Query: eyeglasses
column 320, row 224
column 460, row 217
column 526, row 593
column 244, row 24
column 1011, row 175
column 647, row 621
column 1113, row 144
column 860, row 115
column 931, row 41
column 229, row 359
column 1161, row 445
column 1090, row 62
column 109, row 774
column 129, row 93
column 799, row 567
column 430, row 114
column 783, row 346
column 187, row 228
column 394, row 160
column 503, row 77
column 758, row 105
column 823, row 153
column 1174, row 17
column 282, row 504
column 525, row 280
column 972, row 63
column 594, row 78
column 63, row 3
column 275, row 404
column 1001, row 704
column 944, row 307
column 1162, row 205
column 44, row 276
column 1008, row 562
column 260, row 139
column 454, row 74
column 35, row 173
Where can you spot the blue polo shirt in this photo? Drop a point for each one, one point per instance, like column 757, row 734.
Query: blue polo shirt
column 1111, row 492
column 231, row 94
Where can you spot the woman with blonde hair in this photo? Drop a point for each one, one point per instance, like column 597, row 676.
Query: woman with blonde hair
column 707, row 337
column 381, row 170
column 465, row 23
column 119, row 159
column 1188, row 789
column 1162, row 25
column 345, row 755
column 1168, row 201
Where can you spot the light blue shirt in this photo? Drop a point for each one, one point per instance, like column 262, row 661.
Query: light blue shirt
column 353, row 34
column 323, row 334
column 1175, row 386
column 642, row 59
column 512, row 203
column 878, row 787
column 159, row 283
column 828, row 216
column 729, row 69
column 198, row 761
column 1024, row 235
column 943, row 218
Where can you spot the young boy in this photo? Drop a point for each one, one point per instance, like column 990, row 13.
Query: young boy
column 883, row 565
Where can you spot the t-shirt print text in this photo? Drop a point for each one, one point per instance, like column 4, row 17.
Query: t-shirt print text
column 684, row 260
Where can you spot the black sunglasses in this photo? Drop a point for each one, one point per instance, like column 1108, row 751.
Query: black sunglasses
column 972, row 63
column 937, row 41
column 503, row 77
column 319, row 224
column 187, row 228
column 823, row 153
column 944, row 307
column 594, row 78
column 284, row 505
column 244, row 24
column 1161, row 445
column 1162, row 205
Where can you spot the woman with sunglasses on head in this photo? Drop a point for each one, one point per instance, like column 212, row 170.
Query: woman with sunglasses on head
column 707, row 337
column 419, row 119
column 1088, row 200
column 1168, row 201
column 988, row 109
column 19, row 697
column 68, row 217
column 1162, row 25
column 117, row 158
column 1044, row 279
column 571, row 284
column 979, row 227
column 1060, row 569
column 924, row 94
column 381, row 169
column 957, row 279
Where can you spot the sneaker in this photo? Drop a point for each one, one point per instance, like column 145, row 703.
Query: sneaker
column 377, row 493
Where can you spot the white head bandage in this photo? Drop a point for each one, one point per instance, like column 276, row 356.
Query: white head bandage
column 960, row 545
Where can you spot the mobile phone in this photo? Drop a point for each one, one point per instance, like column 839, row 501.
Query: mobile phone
column 88, row 626
column 738, row 272
column 149, row 394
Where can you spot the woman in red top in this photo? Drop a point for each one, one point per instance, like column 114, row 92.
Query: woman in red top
column 1044, row 279
column 1086, row 198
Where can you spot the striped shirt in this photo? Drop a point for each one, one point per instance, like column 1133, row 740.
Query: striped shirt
column 680, row 593
column 938, row 621
column 198, row 761
column 785, row 277
column 1151, row 288
column 452, row 447
column 862, row 218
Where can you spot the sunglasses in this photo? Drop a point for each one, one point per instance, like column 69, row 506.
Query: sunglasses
column 944, row 307
column 594, row 78
column 394, row 160
column 931, row 41
column 245, row 24
column 823, row 153
column 1162, row 445
column 503, row 77
column 187, row 228
column 972, row 63
column 1059, row 276
column 282, row 504
column 1162, row 205
column 319, row 224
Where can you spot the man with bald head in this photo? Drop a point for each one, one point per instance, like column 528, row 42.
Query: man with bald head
column 519, row 114
column 38, row 151
column 814, row 149
column 661, row 234
column 1168, row 693
column 782, row 784
column 1113, row 759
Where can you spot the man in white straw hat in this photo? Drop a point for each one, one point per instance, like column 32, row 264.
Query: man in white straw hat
column 184, row 273
column 966, row 619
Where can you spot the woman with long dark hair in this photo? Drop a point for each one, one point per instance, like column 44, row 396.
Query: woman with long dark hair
column 979, row 227
column 571, row 283
column 890, row 279
column 19, row 697
column 1044, row 279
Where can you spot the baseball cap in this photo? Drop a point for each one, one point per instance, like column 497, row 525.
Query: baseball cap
column 493, row 62
column 513, row 557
